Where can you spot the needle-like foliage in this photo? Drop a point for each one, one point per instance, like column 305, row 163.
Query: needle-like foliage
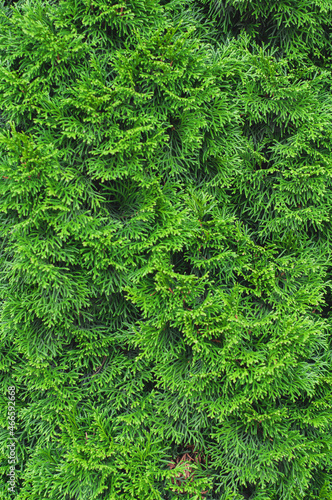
column 165, row 264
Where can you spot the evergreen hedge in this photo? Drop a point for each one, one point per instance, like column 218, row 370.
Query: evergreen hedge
column 166, row 188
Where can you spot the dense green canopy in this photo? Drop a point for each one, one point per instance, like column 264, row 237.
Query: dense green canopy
column 165, row 264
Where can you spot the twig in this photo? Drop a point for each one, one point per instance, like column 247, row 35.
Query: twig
column 98, row 369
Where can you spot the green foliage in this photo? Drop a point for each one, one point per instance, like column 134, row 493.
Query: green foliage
column 297, row 29
column 165, row 263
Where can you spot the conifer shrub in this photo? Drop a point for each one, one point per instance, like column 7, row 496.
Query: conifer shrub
column 296, row 29
column 165, row 250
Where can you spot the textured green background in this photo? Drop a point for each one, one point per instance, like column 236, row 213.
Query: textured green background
column 165, row 259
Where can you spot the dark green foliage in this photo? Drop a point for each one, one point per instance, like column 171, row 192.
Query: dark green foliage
column 296, row 29
column 165, row 249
